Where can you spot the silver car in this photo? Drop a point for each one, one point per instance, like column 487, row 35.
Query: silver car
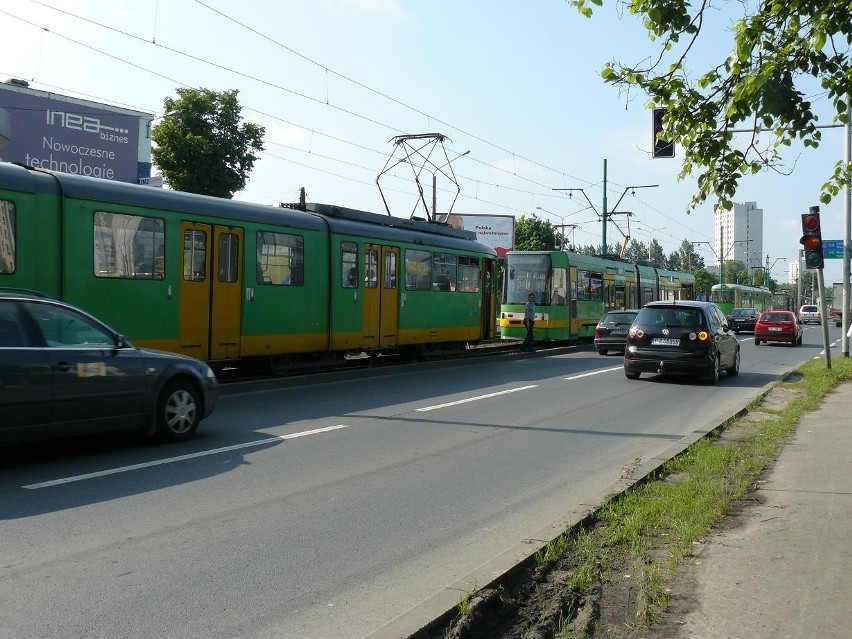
column 810, row 313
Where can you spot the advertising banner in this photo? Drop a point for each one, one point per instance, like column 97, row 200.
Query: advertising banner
column 54, row 132
column 496, row 231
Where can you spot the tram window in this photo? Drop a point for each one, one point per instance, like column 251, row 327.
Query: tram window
column 468, row 274
column 128, row 246
column 596, row 287
column 349, row 265
column 194, row 256
column 7, row 236
column 280, row 259
column 228, row 257
column 371, row 268
column 583, row 282
column 558, row 291
column 418, row 270
column 390, row 270
column 444, row 272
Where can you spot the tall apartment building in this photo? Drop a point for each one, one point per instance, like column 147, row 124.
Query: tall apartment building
column 793, row 272
column 739, row 235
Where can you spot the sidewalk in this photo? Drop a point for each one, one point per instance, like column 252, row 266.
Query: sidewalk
column 786, row 571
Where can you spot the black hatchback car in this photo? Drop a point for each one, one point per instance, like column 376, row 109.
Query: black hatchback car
column 611, row 331
column 743, row 319
column 64, row 373
column 681, row 338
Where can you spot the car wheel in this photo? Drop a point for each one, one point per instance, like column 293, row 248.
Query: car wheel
column 631, row 374
column 602, row 350
column 178, row 411
column 756, row 342
column 735, row 367
column 716, row 372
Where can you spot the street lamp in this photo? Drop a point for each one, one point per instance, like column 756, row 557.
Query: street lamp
column 562, row 225
column 648, row 230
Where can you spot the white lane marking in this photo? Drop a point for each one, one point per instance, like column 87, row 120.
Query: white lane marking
column 171, row 460
column 474, row 399
column 603, row 370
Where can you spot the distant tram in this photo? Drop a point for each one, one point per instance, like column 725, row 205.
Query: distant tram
column 573, row 291
column 731, row 296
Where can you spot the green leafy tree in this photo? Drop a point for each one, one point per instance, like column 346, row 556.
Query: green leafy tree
column 202, row 146
column 704, row 281
column 685, row 258
column 760, row 83
column 533, row 234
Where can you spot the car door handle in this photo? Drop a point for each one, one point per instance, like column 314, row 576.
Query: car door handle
column 62, row 366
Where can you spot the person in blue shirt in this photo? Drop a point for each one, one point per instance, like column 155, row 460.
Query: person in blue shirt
column 529, row 324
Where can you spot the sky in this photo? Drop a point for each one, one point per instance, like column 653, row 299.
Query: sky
column 513, row 88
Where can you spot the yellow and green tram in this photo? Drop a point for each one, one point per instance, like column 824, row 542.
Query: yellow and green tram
column 730, row 296
column 573, row 291
column 223, row 281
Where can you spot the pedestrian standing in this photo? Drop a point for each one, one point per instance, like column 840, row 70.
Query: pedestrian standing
column 529, row 323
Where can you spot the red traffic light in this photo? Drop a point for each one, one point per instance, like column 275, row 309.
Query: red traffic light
column 810, row 222
column 810, row 242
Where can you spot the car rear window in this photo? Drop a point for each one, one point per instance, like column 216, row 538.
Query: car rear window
column 776, row 317
column 618, row 318
column 670, row 317
column 809, row 309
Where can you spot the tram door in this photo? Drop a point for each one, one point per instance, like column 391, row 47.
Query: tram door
column 381, row 296
column 210, row 287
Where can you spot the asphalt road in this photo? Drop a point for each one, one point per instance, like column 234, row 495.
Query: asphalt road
column 330, row 505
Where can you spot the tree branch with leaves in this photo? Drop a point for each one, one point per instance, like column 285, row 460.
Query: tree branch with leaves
column 777, row 47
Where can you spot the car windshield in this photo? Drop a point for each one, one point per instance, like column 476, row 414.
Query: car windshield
column 671, row 317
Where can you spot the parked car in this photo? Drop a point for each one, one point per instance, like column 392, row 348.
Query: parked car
column 778, row 326
column 611, row 331
column 810, row 313
column 64, row 373
column 681, row 338
column 743, row 319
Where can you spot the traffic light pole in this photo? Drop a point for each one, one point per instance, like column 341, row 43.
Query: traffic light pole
column 821, row 283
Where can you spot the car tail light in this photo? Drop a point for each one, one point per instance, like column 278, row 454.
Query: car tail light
column 598, row 331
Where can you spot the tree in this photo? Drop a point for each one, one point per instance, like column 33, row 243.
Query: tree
column 201, row 146
column 778, row 47
column 533, row 234
column 685, row 258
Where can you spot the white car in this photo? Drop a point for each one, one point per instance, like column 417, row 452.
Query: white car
column 810, row 313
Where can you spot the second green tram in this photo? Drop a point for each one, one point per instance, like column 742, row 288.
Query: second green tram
column 573, row 291
column 730, row 296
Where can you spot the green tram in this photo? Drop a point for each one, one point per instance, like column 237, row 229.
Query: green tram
column 730, row 296
column 574, row 291
column 224, row 281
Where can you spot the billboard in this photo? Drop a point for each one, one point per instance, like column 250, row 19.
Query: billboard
column 497, row 231
column 55, row 132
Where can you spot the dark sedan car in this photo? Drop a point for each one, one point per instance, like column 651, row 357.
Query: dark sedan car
column 778, row 326
column 743, row 319
column 64, row 373
column 611, row 331
column 681, row 338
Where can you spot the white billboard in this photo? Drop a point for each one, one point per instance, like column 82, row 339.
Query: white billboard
column 497, row 231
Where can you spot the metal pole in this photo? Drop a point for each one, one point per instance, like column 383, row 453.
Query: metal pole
column 847, row 238
column 821, row 283
column 721, row 255
column 604, row 215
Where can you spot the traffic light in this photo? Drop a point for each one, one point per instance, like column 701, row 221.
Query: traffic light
column 662, row 148
column 812, row 239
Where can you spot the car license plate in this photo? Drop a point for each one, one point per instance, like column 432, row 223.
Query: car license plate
column 774, row 328
column 665, row 341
